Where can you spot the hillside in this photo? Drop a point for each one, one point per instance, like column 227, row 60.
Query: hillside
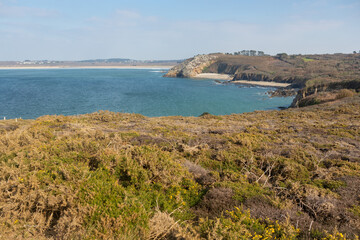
column 290, row 174
column 299, row 70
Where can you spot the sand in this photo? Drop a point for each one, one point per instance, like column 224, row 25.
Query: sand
column 87, row 67
column 214, row 76
column 261, row 83
column 230, row 77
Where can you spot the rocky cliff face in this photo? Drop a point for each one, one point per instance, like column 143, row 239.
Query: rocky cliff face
column 218, row 63
column 325, row 93
column 193, row 66
column 242, row 71
column 298, row 70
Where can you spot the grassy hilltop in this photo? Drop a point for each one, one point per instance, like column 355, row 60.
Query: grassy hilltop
column 299, row 70
column 291, row 174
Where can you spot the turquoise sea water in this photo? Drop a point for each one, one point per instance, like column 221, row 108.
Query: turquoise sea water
column 33, row 93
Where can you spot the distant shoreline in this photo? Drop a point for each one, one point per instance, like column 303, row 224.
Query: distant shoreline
column 228, row 78
column 86, row 67
column 261, row 83
column 215, row 76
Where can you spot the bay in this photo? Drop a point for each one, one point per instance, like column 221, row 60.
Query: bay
column 29, row 93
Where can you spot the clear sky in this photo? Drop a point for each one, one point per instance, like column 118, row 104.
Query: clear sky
column 174, row 29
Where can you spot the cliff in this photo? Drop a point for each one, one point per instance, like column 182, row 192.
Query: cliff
column 193, row 66
column 326, row 92
column 299, row 70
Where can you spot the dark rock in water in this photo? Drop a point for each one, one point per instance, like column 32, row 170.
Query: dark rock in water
column 282, row 108
column 226, row 82
column 204, row 114
column 282, row 92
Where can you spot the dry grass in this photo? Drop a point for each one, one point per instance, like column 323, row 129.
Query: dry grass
column 345, row 93
column 124, row 176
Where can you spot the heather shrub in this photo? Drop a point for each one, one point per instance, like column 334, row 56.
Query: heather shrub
column 343, row 93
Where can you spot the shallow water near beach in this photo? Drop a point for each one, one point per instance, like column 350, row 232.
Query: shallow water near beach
column 33, row 93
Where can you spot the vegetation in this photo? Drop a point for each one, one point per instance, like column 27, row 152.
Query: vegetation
column 291, row 174
column 299, row 70
column 248, row 53
column 326, row 92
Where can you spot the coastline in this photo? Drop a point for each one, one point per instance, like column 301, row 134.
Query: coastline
column 261, row 83
column 215, row 76
column 229, row 78
column 86, row 67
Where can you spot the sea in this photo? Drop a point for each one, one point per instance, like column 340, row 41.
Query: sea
column 29, row 94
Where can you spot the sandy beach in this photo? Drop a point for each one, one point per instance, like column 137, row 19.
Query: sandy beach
column 261, row 83
column 87, row 67
column 214, row 76
column 228, row 77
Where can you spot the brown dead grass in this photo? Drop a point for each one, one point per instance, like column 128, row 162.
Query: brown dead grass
column 108, row 175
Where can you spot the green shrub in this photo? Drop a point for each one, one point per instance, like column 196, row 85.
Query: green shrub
column 329, row 184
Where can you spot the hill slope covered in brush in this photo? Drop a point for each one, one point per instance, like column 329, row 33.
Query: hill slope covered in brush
column 287, row 174
column 299, row 70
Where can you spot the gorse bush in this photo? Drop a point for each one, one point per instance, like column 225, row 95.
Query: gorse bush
column 345, row 93
column 292, row 174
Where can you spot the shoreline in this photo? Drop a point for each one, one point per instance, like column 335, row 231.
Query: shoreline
column 215, row 76
column 85, row 67
column 229, row 79
column 260, row 83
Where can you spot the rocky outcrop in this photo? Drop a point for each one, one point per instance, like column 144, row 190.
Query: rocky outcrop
column 325, row 93
column 282, row 92
column 193, row 66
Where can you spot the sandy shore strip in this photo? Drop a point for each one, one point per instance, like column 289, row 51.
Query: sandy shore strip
column 214, row 76
column 87, row 67
column 261, row 83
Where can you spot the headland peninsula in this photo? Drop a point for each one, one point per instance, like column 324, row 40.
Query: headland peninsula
column 297, row 70
column 313, row 78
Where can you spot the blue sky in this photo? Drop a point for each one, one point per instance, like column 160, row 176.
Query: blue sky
column 174, row 29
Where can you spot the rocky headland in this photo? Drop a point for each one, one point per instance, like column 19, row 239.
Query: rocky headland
column 326, row 92
column 300, row 72
column 192, row 66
